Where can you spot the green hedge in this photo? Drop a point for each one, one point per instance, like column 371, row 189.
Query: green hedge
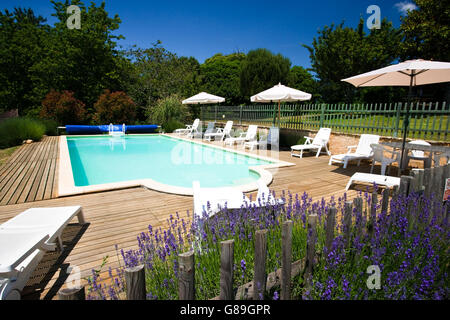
column 14, row 131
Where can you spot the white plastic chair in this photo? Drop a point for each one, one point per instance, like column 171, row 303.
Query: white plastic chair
column 210, row 128
column 363, row 151
column 250, row 135
column 320, row 141
column 221, row 132
column 193, row 131
column 24, row 240
column 272, row 139
column 378, row 156
column 419, row 154
column 189, row 128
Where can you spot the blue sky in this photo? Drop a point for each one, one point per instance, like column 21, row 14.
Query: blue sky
column 203, row 28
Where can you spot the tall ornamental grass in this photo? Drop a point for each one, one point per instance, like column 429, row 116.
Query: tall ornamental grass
column 15, row 130
column 410, row 246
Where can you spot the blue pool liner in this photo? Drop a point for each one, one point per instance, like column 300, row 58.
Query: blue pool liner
column 80, row 129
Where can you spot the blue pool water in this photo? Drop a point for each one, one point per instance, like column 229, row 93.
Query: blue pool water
column 98, row 160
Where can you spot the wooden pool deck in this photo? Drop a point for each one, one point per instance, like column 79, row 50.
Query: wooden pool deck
column 29, row 179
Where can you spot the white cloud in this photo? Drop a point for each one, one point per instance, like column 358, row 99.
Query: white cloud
column 405, row 6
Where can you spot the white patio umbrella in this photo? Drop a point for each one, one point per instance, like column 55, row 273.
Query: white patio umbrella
column 409, row 73
column 203, row 98
column 280, row 93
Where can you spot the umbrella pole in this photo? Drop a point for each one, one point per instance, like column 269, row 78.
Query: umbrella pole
column 406, row 122
column 279, row 114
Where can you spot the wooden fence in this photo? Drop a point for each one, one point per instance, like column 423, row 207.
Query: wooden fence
column 427, row 120
column 425, row 181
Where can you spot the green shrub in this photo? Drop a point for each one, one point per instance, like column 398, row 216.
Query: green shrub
column 172, row 125
column 63, row 107
column 114, row 107
column 169, row 109
column 51, row 127
column 14, row 131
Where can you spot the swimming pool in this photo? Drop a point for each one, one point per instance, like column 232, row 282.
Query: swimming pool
column 104, row 159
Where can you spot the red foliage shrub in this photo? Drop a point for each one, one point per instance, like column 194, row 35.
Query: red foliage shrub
column 63, row 107
column 114, row 107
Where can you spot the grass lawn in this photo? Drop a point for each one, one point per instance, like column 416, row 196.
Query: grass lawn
column 6, row 153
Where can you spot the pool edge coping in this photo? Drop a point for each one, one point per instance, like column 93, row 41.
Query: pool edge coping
column 66, row 183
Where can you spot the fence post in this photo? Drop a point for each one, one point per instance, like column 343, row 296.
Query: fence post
column 286, row 260
column 438, row 187
column 274, row 115
column 186, row 283
column 347, row 222
column 76, row 293
column 331, row 224
column 226, row 270
column 398, row 107
column 310, row 249
column 135, row 283
column 385, row 200
column 373, row 212
column 240, row 114
column 260, row 276
column 427, row 181
column 416, row 183
column 322, row 115
column 358, row 205
column 404, row 185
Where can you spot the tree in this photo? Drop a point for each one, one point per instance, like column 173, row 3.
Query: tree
column 114, row 107
column 85, row 61
column 299, row 78
column 427, row 36
column 427, row 31
column 21, row 36
column 220, row 75
column 262, row 70
column 63, row 107
column 158, row 73
column 342, row 52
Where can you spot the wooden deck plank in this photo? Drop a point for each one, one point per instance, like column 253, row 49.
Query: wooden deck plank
column 21, row 179
column 43, row 181
column 14, row 166
column 117, row 217
column 23, row 188
column 35, row 185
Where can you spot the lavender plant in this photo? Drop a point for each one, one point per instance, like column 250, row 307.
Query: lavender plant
column 409, row 244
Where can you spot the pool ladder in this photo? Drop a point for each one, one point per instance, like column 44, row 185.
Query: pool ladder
column 115, row 133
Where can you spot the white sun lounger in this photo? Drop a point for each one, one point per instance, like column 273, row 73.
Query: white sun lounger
column 363, row 151
column 221, row 132
column 387, row 181
column 189, row 128
column 232, row 198
column 320, row 141
column 24, row 240
column 250, row 135
column 265, row 197
column 217, row 198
